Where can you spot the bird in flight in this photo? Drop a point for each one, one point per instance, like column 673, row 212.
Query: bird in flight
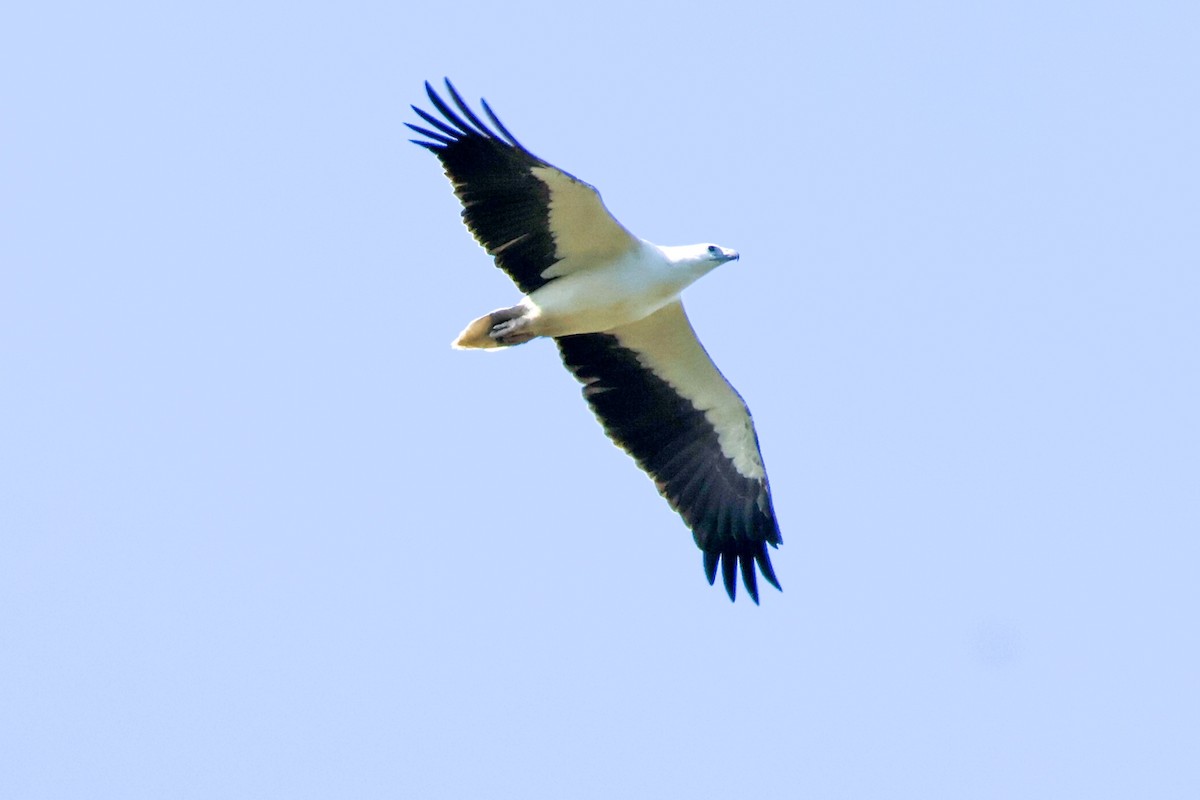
column 611, row 303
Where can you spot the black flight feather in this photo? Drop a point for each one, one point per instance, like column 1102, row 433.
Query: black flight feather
column 505, row 206
column 730, row 515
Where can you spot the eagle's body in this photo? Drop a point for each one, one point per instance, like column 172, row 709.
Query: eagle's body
column 611, row 302
column 600, row 296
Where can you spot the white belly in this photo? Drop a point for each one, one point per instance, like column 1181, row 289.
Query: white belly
column 603, row 297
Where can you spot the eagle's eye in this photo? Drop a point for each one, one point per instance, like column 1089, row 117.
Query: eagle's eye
column 713, row 250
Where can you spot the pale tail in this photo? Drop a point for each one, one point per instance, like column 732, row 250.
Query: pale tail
column 475, row 335
column 504, row 327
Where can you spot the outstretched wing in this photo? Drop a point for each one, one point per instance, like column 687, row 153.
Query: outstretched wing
column 536, row 220
column 660, row 398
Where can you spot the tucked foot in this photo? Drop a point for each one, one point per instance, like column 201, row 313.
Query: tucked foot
column 501, row 328
column 511, row 332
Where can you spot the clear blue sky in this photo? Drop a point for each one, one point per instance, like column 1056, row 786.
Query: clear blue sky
column 264, row 534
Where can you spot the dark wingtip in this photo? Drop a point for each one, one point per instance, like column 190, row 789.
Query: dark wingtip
column 729, row 574
column 764, row 566
column 731, row 562
column 465, row 108
column 500, row 125
column 458, row 121
column 437, row 137
column 445, row 110
column 748, row 578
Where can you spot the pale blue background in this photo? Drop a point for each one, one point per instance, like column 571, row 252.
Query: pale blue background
column 264, row 535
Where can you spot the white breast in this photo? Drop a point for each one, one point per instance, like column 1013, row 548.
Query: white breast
column 607, row 295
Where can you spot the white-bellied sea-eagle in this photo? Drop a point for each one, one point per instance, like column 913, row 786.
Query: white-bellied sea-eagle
column 611, row 303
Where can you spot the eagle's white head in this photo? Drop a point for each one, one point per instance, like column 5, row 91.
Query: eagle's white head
column 705, row 257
